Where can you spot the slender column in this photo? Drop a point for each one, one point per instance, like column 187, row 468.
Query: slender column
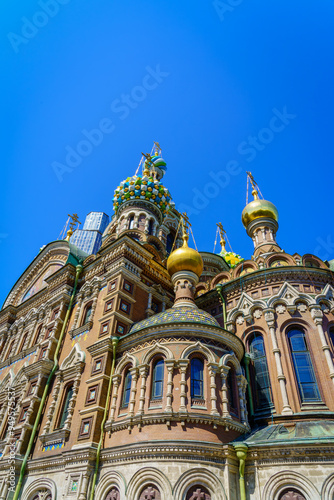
column 163, row 303
column 84, row 485
column 270, row 319
column 241, row 381
column 143, row 371
column 183, row 364
column 224, row 372
column 169, row 395
column 249, row 387
column 94, row 304
column 213, row 367
column 71, row 405
column 77, row 312
column 317, row 316
column 52, row 405
column 134, row 374
column 116, row 381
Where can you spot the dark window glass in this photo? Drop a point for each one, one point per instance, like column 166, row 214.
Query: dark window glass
column 230, row 383
column 261, row 378
column 88, row 313
column 127, row 389
column 131, row 222
column 307, row 384
column 66, row 404
column 158, row 379
column 196, row 376
column 331, row 336
column 169, row 242
column 150, row 227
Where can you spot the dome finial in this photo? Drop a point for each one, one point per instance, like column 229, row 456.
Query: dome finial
column 74, row 220
column 222, row 233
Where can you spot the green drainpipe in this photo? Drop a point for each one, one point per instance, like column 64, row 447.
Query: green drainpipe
column 249, row 386
column 219, row 291
column 46, row 388
column 98, row 452
column 241, row 452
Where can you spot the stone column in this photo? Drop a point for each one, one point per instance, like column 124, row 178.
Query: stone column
column 169, row 395
column 84, row 485
column 143, row 371
column 71, row 405
column 317, row 316
column 77, row 312
column 242, row 383
column 270, row 319
column 183, row 364
column 224, row 372
column 132, row 402
column 52, row 405
column 213, row 388
column 115, row 380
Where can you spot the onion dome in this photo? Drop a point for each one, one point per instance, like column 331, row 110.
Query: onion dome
column 157, row 161
column 257, row 209
column 143, row 187
column 185, row 259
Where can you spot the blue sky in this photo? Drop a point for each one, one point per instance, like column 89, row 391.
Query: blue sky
column 224, row 87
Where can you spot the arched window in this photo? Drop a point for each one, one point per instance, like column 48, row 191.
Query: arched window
column 150, row 227
column 291, row 494
column 170, row 242
column 65, row 407
column 150, row 492
column 198, row 492
column 331, row 338
column 307, row 383
column 87, row 314
column 157, row 379
column 131, row 222
column 113, row 494
column 260, row 378
column 38, row 332
column 127, row 389
column 196, row 378
column 231, row 384
column 23, row 342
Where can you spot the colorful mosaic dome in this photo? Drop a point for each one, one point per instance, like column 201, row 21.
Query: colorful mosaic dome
column 158, row 161
column 142, row 187
column 233, row 259
column 184, row 314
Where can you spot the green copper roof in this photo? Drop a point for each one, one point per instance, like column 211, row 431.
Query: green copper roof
column 76, row 256
column 183, row 314
column 273, row 435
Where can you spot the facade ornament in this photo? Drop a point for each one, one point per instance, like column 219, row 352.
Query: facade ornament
column 280, row 309
column 240, row 320
column 257, row 313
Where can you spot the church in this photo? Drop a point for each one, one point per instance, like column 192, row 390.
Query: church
column 150, row 370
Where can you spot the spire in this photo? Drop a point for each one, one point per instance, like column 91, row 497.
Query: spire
column 260, row 218
column 232, row 259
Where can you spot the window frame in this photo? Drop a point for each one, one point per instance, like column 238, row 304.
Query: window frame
column 155, row 362
column 201, row 381
column 63, row 409
column 126, row 390
column 267, row 393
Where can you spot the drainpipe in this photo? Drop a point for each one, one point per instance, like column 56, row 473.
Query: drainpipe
column 249, row 386
column 47, row 386
column 219, row 291
column 98, row 452
column 241, row 452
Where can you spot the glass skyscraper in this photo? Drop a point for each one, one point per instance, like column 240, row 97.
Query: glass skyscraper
column 89, row 238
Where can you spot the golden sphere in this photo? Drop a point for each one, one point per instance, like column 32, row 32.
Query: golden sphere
column 185, row 259
column 258, row 208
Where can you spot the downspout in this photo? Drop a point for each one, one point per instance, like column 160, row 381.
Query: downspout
column 47, row 386
column 106, row 409
column 249, row 386
column 219, row 291
column 241, row 452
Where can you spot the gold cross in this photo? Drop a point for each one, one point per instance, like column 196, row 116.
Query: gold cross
column 74, row 220
column 252, row 180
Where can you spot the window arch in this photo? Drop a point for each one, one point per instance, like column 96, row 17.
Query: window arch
column 198, row 492
column 150, row 492
column 150, row 226
column 113, row 494
column 197, row 378
column 87, row 313
column 126, row 389
column 37, row 334
column 23, row 341
column 260, row 379
column 291, row 494
column 65, row 406
column 157, row 379
column 302, row 363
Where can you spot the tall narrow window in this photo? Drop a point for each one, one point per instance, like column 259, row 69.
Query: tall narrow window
column 196, row 377
column 127, row 389
column 170, row 242
column 64, row 411
column 158, row 379
column 87, row 315
column 331, row 337
column 231, row 390
column 307, row 384
column 150, row 227
column 131, row 222
column 262, row 386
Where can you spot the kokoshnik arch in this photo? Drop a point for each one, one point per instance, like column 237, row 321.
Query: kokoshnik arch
column 153, row 371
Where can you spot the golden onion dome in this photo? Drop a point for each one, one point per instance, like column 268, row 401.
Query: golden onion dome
column 258, row 208
column 185, row 259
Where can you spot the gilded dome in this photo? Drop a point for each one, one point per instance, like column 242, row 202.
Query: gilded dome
column 185, row 259
column 258, row 208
